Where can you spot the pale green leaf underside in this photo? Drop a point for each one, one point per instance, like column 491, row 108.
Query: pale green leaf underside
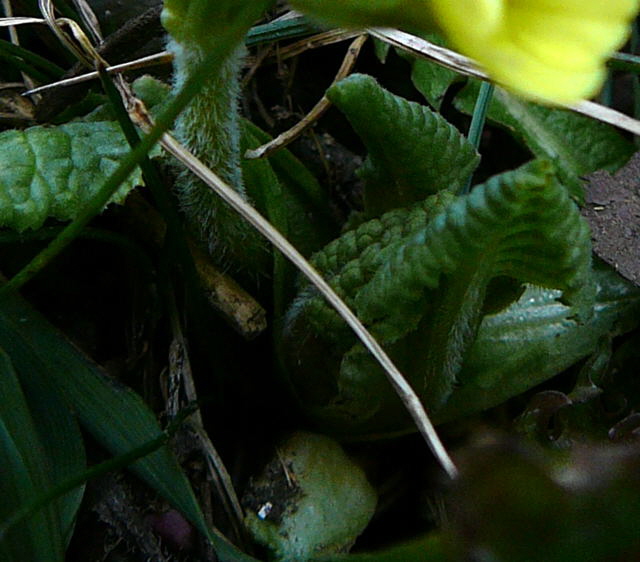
column 413, row 152
column 534, row 339
column 51, row 172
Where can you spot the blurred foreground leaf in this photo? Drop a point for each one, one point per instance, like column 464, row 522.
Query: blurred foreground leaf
column 512, row 505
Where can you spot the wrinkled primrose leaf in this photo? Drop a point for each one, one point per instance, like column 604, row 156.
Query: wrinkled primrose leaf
column 419, row 278
column 53, row 171
column 430, row 79
column 413, row 152
column 534, row 339
column 311, row 500
column 576, row 144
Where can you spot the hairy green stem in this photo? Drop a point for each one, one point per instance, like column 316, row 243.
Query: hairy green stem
column 210, row 128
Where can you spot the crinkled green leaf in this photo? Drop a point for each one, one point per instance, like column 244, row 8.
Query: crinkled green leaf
column 576, row 144
column 423, row 293
column 318, row 507
column 520, row 224
column 53, row 171
column 351, row 261
column 25, row 474
column 412, row 151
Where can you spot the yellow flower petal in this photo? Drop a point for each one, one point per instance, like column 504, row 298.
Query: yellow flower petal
column 550, row 50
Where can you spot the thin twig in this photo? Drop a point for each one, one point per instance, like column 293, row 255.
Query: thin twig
column 19, row 20
column 158, row 58
column 607, row 115
column 316, row 41
column 180, row 365
column 318, row 110
column 426, row 50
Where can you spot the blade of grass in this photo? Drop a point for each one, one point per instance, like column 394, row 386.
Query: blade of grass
column 59, row 434
column 25, row 475
column 52, row 70
column 116, row 416
column 24, row 67
column 32, row 507
column 478, row 121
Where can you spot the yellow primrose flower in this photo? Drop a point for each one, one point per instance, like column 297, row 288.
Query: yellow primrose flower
column 550, row 50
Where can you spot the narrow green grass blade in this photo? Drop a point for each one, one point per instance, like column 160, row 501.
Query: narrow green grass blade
column 576, row 144
column 279, row 30
column 36, row 61
column 477, row 124
column 59, row 434
column 111, row 412
column 77, row 481
column 24, row 475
